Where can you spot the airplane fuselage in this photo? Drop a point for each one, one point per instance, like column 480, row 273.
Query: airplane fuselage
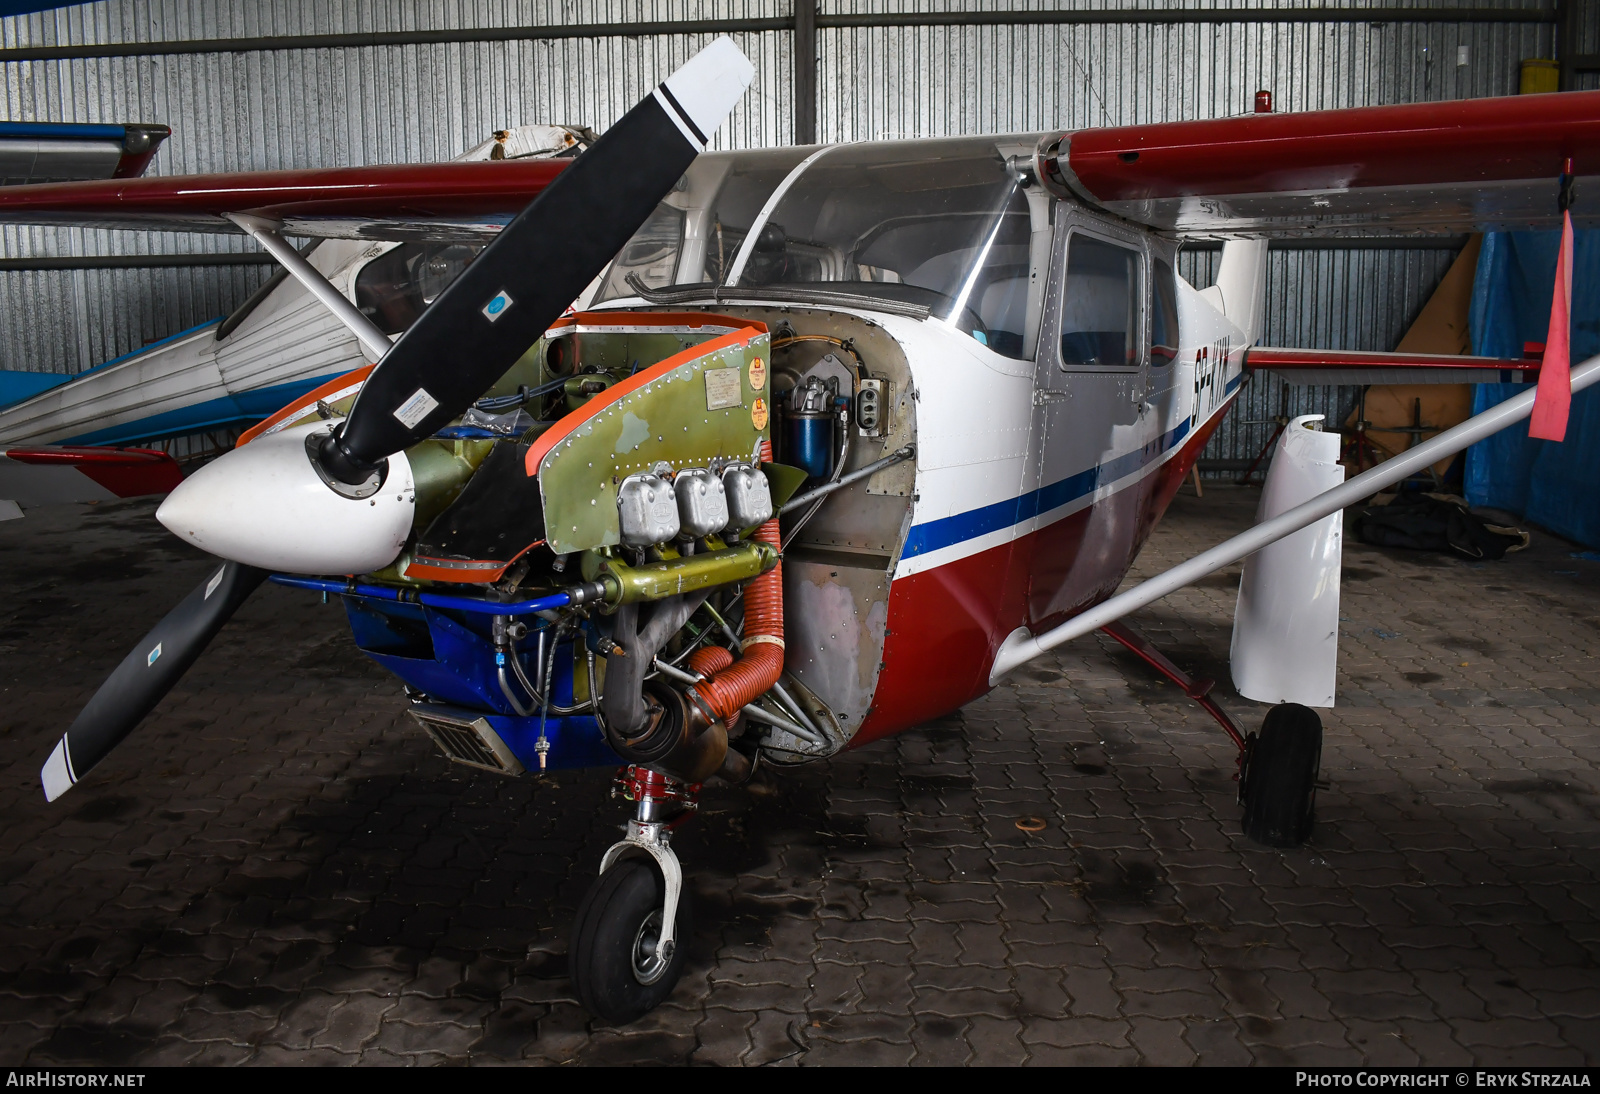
column 1042, row 462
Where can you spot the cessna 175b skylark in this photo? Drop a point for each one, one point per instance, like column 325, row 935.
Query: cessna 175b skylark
column 711, row 460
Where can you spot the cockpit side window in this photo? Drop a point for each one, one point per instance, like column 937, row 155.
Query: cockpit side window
column 946, row 224
column 1100, row 314
column 1164, row 319
column 650, row 257
column 394, row 288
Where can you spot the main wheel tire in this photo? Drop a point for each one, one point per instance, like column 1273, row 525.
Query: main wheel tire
column 613, row 943
column 1279, row 780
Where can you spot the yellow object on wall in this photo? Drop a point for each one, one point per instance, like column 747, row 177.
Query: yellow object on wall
column 1539, row 76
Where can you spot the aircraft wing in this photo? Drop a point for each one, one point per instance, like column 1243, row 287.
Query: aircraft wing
column 32, row 152
column 1478, row 164
column 440, row 201
column 53, row 474
column 1323, row 366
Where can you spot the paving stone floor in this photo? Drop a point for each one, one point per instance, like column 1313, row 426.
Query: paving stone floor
column 278, row 867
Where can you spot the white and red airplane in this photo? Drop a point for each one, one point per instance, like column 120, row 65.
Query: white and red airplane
column 831, row 439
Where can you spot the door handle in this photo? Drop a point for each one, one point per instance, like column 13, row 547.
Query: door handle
column 1041, row 396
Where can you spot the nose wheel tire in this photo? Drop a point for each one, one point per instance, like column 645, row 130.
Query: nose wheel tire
column 617, row 964
column 1278, row 781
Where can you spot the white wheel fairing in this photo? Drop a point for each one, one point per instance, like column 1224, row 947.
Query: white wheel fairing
column 265, row 505
column 1286, row 625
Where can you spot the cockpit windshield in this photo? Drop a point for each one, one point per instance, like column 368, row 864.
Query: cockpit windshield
column 944, row 224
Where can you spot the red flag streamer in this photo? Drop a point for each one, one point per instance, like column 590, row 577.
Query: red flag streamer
column 1553, row 400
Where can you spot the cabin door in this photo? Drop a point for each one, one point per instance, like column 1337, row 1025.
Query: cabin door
column 1090, row 411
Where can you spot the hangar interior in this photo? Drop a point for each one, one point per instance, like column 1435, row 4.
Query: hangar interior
column 287, row 872
column 349, row 96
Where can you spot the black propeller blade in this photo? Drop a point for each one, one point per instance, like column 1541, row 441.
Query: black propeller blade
column 147, row 674
column 521, row 283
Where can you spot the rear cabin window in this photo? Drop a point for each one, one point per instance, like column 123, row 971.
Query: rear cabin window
column 1100, row 305
column 1164, row 323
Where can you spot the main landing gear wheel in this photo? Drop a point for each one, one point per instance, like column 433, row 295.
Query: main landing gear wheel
column 1278, row 781
column 617, row 965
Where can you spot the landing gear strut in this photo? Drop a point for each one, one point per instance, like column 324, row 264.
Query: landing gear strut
column 1277, row 767
column 627, row 947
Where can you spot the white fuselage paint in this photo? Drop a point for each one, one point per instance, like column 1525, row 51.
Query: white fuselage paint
column 993, row 430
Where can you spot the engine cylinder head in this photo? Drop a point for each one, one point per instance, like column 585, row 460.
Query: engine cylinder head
column 647, row 510
column 702, row 502
column 749, row 496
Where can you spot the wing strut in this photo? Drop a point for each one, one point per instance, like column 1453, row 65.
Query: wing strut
column 1021, row 647
column 265, row 232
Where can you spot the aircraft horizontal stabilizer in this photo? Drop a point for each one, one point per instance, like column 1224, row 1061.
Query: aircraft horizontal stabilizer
column 33, row 152
column 50, row 475
column 1322, row 366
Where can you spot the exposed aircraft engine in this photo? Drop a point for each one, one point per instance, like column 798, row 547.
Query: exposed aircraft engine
column 621, row 477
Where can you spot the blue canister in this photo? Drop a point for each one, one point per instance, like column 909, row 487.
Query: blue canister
column 810, row 429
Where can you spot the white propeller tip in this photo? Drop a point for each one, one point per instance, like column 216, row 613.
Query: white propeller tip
column 710, row 84
column 56, row 775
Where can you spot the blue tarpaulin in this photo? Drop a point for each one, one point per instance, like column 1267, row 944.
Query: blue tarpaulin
column 23, row 7
column 1549, row 484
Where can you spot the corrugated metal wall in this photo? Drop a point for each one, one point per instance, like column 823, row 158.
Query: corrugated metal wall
column 335, row 106
column 1319, row 299
column 927, row 81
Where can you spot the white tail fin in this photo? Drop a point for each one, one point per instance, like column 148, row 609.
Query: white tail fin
column 1240, row 291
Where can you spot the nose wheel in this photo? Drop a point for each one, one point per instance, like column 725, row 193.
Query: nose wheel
column 627, row 947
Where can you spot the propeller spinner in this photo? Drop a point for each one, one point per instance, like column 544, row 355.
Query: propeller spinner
column 318, row 500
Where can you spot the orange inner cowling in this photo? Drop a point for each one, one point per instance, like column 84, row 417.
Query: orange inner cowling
column 730, row 686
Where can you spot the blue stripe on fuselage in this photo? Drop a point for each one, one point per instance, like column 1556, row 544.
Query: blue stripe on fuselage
column 948, row 531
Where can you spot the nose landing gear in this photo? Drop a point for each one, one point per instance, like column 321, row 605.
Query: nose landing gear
column 627, row 947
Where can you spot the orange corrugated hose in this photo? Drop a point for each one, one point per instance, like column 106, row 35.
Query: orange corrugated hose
column 710, row 660
column 760, row 661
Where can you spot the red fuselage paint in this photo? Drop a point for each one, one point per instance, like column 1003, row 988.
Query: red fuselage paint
column 946, row 624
